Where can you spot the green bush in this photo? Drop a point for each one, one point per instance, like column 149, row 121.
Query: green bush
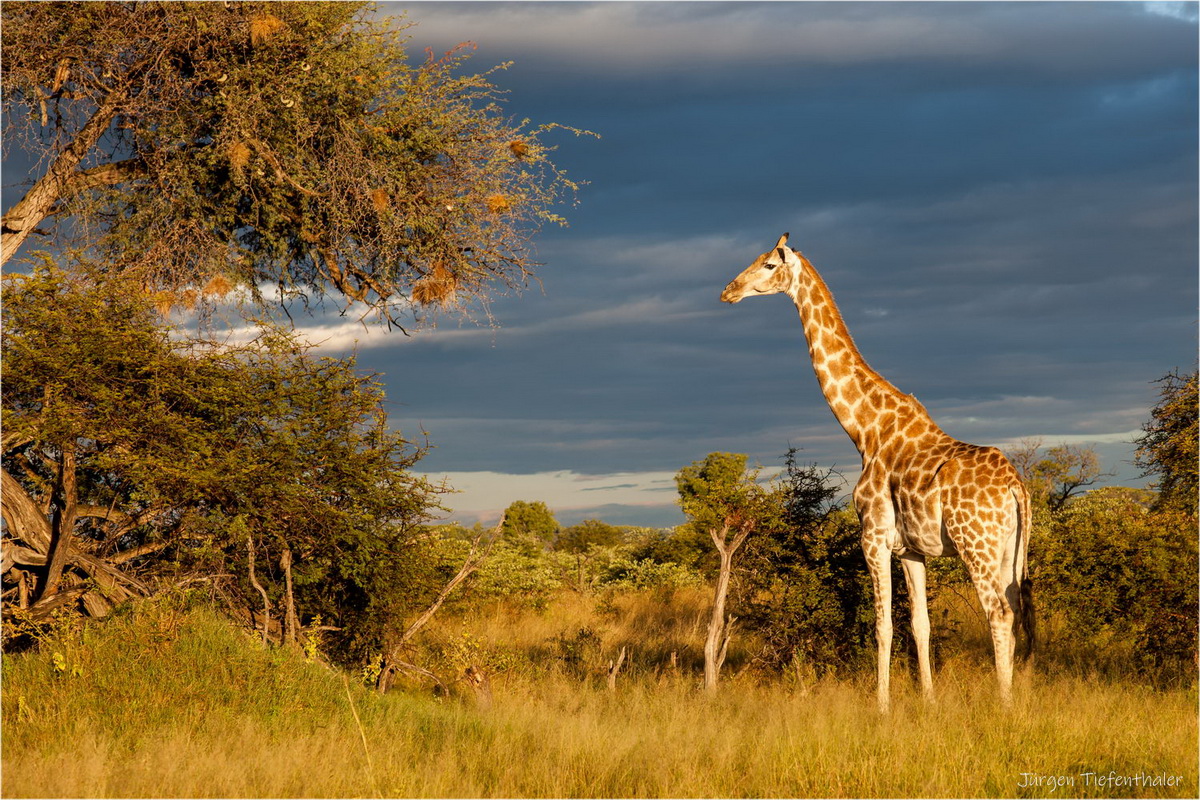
column 1120, row 577
column 646, row 573
column 514, row 573
column 811, row 597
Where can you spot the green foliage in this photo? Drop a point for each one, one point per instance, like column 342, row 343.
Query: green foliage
column 719, row 495
column 589, row 533
column 531, row 526
column 186, row 456
column 1168, row 448
column 299, row 145
column 517, row 574
column 715, row 491
column 807, row 593
column 683, row 545
column 625, row 574
column 1122, row 577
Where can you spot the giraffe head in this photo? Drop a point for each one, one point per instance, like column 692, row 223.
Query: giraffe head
column 771, row 273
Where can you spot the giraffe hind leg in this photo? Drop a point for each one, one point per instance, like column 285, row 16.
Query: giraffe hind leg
column 1000, row 619
column 990, row 568
column 999, row 599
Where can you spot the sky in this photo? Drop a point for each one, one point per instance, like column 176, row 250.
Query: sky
column 1001, row 196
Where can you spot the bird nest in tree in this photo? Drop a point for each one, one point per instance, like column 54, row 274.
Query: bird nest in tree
column 438, row 287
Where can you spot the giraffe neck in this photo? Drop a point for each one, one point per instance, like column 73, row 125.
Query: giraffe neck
column 858, row 396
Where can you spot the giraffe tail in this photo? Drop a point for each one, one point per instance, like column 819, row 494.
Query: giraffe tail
column 1025, row 613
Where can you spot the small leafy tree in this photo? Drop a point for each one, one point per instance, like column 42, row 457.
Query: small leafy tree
column 1168, row 448
column 724, row 499
column 683, row 545
column 518, row 575
column 1056, row 475
column 210, row 145
column 530, row 526
column 587, row 534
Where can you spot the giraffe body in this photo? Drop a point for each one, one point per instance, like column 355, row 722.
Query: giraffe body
column 922, row 493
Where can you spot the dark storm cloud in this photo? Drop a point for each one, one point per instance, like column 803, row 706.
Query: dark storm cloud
column 1002, row 197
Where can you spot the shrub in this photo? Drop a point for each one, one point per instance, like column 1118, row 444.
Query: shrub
column 646, row 573
column 1122, row 577
column 515, row 574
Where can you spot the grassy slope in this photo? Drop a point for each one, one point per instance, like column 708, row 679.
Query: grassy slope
column 180, row 704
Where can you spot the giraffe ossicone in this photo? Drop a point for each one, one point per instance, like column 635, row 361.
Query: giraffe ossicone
column 922, row 493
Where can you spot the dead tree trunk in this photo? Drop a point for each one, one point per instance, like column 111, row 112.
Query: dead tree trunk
column 20, row 220
column 290, row 622
column 266, row 630
column 474, row 558
column 63, row 525
column 614, row 667
column 720, row 629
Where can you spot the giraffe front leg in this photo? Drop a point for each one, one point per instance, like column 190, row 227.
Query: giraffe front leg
column 879, row 565
column 914, row 576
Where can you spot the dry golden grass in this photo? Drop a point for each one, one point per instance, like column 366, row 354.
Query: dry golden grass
column 192, row 707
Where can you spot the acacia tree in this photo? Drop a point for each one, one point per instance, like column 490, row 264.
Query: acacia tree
column 133, row 458
column 1056, row 474
column 202, row 146
column 724, row 499
column 1168, row 448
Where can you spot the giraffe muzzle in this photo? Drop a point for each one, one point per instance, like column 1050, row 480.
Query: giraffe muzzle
column 732, row 294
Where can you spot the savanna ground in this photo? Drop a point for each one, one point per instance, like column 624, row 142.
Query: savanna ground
column 173, row 701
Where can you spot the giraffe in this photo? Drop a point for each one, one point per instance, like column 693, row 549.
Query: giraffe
column 921, row 493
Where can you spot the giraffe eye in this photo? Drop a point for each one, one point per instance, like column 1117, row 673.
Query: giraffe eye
column 771, row 266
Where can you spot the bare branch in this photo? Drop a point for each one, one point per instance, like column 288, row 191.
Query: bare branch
column 475, row 556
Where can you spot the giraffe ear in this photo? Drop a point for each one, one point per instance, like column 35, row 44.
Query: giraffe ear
column 782, row 240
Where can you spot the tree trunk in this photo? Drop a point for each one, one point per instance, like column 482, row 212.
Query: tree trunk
column 266, row 630
column 716, row 644
column 289, row 616
column 63, row 526
column 39, row 201
column 614, row 667
column 24, row 518
column 28, row 524
column 716, row 624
